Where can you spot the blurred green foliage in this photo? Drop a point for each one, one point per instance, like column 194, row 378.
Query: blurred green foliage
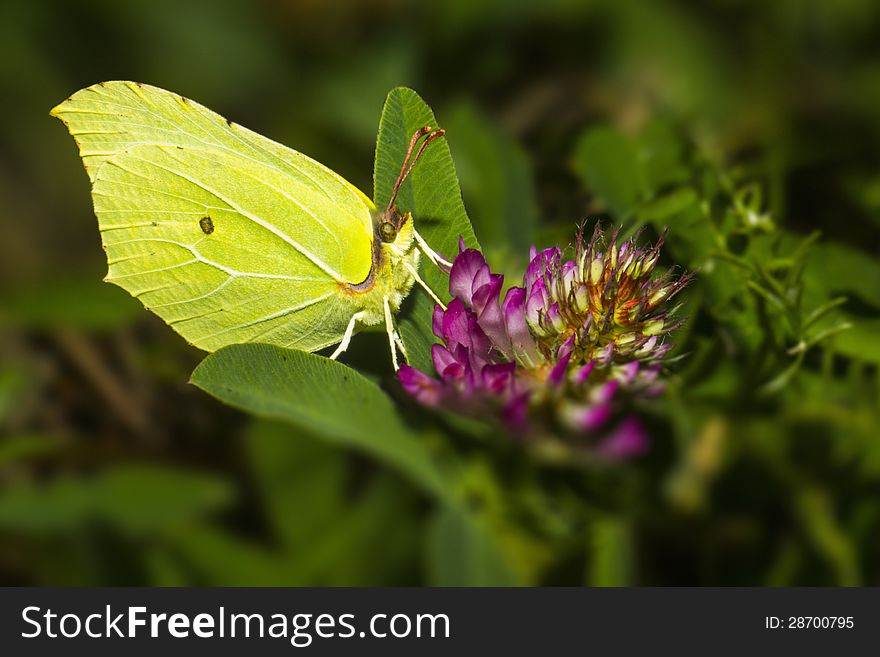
column 751, row 130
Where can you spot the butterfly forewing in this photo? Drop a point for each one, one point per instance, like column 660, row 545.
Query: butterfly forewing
column 225, row 234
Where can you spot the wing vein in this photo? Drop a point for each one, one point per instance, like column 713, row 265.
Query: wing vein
column 267, row 318
column 244, row 213
column 299, row 204
column 198, row 298
column 154, row 271
column 223, row 268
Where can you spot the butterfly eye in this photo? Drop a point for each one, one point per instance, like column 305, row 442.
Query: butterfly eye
column 387, row 231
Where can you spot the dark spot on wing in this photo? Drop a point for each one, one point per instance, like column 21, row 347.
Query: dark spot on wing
column 229, row 123
column 153, row 223
column 206, row 225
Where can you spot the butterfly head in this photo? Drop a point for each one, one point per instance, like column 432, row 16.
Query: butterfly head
column 391, row 221
column 387, row 231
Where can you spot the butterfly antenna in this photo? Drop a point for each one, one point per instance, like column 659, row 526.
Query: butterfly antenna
column 409, row 161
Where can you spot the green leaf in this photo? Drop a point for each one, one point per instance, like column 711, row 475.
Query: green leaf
column 140, row 498
column 819, row 313
column 202, row 554
column 833, row 267
column 496, row 179
column 378, row 526
column 300, row 480
column 433, row 196
column 462, row 553
column 331, row 525
column 663, row 209
column 610, row 554
column 415, row 329
column 381, row 65
column 135, row 499
column 661, row 154
column 608, row 164
column 860, row 340
column 815, row 509
column 321, row 396
column 56, row 507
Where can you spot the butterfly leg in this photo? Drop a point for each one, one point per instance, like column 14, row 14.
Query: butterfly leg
column 393, row 336
column 435, row 258
column 349, row 331
column 418, row 279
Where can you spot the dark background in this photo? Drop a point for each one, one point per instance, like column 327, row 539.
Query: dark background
column 113, row 470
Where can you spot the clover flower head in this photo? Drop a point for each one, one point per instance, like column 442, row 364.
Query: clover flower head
column 561, row 355
column 605, row 299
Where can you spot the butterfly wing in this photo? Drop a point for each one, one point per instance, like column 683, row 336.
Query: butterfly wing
column 226, row 235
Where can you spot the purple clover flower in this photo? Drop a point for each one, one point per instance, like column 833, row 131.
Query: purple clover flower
column 561, row 355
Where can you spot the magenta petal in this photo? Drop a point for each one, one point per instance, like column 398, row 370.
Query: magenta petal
column 522, row 342
column 481, row 277
column 516, row 412
column 569, row 275
column 592, row 418
column 487, row 292
column 490, row 317
column 472, row 336
column 606, row 392
column 649, row 374
column 565, row 348
column 409, row 376
column 454, row 325
column 630, row 370
column 442, row 358
column 544, row 262
column 536, row 305
column 460, row 330
column 419, row 385
column 497, row 376
column 437, row 320
column 628, row 439
column 557, row 374
column 467, row 265
column 553, row 318
column 455, row 371
column 584, row 373
column 466, row 368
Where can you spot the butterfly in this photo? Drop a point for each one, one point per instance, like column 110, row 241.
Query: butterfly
column 231, row 237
